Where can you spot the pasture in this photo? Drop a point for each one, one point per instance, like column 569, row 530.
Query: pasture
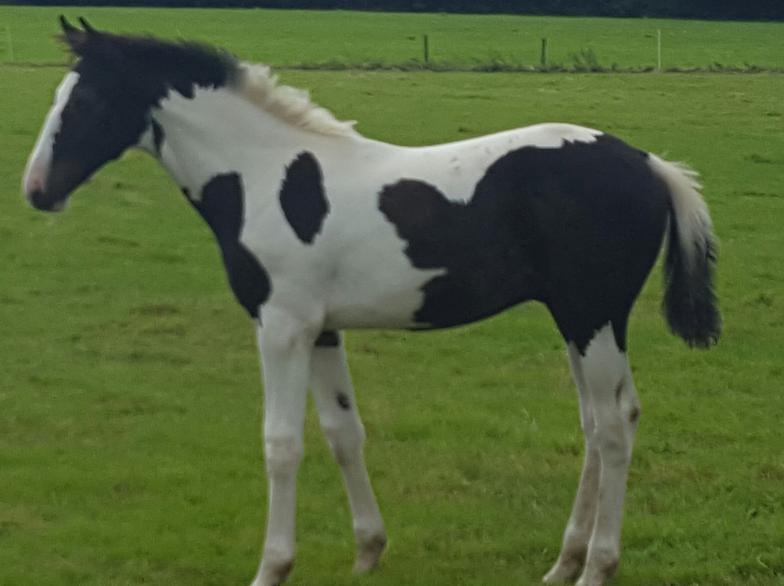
column 130, row 403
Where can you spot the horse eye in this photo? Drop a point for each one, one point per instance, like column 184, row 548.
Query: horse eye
column 77, row 101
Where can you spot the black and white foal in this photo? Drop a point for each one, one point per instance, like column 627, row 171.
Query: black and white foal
column 322, row 230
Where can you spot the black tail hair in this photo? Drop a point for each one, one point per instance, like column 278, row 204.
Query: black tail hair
column 689, row 300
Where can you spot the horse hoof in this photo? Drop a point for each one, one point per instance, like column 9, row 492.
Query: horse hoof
column 598, row 574
column 369, row 553
column 563, row 571
column 274, row 570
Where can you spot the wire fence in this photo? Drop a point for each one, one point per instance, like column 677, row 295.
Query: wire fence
column 583, row 60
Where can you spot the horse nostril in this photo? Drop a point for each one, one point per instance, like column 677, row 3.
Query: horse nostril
column 31, row 186
column 40, row 201
column 35, row 197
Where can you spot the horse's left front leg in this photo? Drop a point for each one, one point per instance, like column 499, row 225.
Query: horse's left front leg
column 286, row 345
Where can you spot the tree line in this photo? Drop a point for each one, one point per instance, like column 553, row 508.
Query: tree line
column 701, row 9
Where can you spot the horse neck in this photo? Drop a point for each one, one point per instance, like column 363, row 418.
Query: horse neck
column 219, row 131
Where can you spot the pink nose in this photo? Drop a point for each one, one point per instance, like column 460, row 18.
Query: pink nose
column 32, row 186
column 35, row 179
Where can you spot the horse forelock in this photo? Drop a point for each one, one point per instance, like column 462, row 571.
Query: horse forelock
column 151, row 66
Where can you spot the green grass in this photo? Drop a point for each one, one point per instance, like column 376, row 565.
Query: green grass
column 340, row 38
column 130, row 406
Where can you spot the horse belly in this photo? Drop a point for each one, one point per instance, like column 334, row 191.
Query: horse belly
column 391, row 309
column 376, row 287
column 458, row 299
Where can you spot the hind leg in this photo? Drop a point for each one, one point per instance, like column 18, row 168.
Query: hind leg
column 616, row 412
column 581, row 521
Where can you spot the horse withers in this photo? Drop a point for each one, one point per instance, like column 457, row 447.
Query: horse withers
column 322, row 229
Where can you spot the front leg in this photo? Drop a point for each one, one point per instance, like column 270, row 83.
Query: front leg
column 286, row 344
column 339, row 415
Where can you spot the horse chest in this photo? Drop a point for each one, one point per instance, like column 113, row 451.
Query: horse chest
column 221, row 205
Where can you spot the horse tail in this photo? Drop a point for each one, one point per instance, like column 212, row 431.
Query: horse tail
column 690, row 304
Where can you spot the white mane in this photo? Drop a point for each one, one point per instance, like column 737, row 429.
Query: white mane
column 293, row 105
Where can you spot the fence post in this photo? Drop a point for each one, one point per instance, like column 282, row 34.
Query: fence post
column 426, row 48
column 543, row 55
column 658, row 51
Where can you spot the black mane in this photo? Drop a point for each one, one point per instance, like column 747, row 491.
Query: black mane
column 150, row 66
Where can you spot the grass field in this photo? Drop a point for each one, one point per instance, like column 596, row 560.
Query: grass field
column 130, row 406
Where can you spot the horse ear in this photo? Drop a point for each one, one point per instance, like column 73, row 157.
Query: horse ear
column 73, row 37
column 67, row 27
column 87, row 26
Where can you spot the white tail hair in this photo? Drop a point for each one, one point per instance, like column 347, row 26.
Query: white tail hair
column 694, row 225
column 689, row 301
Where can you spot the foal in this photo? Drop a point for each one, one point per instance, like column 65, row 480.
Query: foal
column 321, row 230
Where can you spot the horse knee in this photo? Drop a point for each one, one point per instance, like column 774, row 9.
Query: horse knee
column 614, row 445
column 283, row 454
column 345, row 442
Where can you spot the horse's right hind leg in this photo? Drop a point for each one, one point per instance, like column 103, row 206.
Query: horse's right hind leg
column 610, row 411
column 616, row 412
column 581, row 521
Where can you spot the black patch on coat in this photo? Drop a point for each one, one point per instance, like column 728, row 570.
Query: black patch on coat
column 150, row 67
column 97, row 125
column 690, row 304
column 343, row 401
column 221, row 206
column 577, row 228
column 120, row 80
column 328, row 339
column 157, row 135
column 302, row 197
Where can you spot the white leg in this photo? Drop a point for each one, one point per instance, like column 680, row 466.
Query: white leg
column 581, row 521
column 286, row 345
column 616, row 412
column 339, row 415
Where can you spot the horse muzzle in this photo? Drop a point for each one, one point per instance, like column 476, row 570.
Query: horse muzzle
column 48, row 189
column 44, row 202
